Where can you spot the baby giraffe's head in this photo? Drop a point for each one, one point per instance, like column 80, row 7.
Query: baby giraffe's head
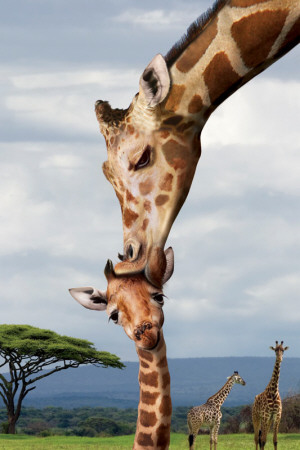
column 130, row 301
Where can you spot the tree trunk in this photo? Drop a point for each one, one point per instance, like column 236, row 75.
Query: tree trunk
column 11, row 425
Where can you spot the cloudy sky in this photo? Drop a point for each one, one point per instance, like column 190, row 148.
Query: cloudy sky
column 236, row 285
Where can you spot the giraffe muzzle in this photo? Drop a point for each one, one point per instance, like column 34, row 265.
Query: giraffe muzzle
column 146, row 336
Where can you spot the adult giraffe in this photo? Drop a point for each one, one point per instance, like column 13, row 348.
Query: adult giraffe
column 154, row 145
column 267, row 406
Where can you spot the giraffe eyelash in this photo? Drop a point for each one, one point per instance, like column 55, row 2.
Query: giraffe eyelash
column 114, row 316
column 144, row 159
column 159, row 298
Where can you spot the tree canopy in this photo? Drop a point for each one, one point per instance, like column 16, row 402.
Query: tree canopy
column 27, row 351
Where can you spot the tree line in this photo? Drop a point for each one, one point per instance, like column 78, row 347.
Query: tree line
column 96, row 422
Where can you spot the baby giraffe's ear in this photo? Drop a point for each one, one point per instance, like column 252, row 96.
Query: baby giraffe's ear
column 90, row 297
column 169, row 254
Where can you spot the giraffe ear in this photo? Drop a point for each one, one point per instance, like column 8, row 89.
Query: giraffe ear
column 90, row 297
column 169, row 254
column 286, row 348
column 155, row 82
column 272, row 348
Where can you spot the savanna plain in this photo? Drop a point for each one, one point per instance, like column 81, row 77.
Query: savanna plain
column 178, row 441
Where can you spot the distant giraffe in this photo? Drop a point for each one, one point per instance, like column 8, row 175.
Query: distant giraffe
column 136, row 305
column 154, row 145
column 210, row 414
column 267, row 405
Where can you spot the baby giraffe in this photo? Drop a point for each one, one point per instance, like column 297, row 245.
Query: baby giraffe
column 136, row 305
column 210, row 414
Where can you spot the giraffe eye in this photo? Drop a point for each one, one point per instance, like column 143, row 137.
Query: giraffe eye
column 158, row 297
column 114, row 316
column 144, row 159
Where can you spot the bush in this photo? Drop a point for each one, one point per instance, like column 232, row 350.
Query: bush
column 4, row 428
column 290, row 420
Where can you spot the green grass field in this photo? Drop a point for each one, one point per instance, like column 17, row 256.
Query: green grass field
column 178, row 442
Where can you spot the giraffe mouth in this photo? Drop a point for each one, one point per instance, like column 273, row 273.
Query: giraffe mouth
column 153, row 347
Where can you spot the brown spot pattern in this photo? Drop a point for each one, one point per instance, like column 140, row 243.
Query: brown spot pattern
column 130, row 129
column 149, row 398
column 163, row 436
column 166, row 183
column 219, row 77
column 129, row 217
column 174, row 153
column 144, row 365
column 173, row 120
column 145, row 224
column 255, row 37
column 162, row 363
column 161, row 199
column 130, row 197
column 121, row 185
column 166, row 406
column 145, row 440
column 164, row 134
column 175, row 96
column 195, row 104
column 147, row 419
column 146, row 186
column 143, row 354
column 147, row 206
column 197, row 48
column 166, row 380
column 185, row 126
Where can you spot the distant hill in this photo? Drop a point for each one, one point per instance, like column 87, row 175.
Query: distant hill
column 193, row 380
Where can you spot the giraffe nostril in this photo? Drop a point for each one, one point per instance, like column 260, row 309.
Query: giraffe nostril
column 130, row 251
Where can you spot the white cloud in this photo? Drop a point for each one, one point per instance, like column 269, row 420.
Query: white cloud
column 157, row 18
column 63, row 162
column 50, row 80
column 277, row 298
column 64, row 101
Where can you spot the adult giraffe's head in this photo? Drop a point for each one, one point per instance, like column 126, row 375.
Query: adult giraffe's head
column 279, row 350
column 130, row 301
column 153, row 146
column 152, row 156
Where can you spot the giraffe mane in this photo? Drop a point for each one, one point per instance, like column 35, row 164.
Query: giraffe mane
column 193, row 32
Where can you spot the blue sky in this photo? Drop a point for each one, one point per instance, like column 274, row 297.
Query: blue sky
column 235, row 289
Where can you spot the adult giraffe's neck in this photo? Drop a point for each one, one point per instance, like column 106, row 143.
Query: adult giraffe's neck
column 235, row 42
column 155, row 407
column 219, row 398
column 274, row 381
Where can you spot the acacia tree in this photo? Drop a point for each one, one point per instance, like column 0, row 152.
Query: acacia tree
column 25, row 351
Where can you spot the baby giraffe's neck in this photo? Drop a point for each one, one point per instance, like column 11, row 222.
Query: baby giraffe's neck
column 155, row 407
